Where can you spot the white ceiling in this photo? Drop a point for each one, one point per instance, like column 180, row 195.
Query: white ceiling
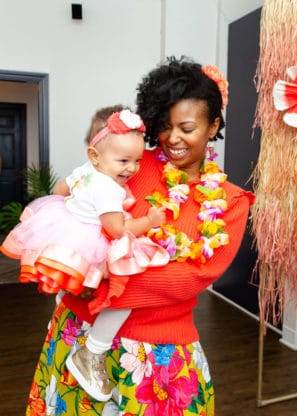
column 235, row 9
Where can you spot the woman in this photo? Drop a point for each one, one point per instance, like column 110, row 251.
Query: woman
column 156, row 365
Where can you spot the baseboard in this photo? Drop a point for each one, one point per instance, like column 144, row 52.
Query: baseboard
column 245, row 311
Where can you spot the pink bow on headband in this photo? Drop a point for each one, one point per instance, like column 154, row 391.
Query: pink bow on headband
column 285, row 97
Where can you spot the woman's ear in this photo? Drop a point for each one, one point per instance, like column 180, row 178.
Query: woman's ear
column 93, row 155
column 215, row 127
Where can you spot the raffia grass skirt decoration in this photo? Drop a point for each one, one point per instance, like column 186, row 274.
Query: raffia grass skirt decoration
column 274, row 214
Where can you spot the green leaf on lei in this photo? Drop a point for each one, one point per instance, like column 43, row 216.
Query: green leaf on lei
column 151, row 199
column 170, row 183
column 184, row 177
column 204, row 189
column 178, row 238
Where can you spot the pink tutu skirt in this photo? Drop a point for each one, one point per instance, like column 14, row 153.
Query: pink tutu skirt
column 56, row 249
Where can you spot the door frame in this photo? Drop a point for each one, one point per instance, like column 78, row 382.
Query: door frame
column 12, row 178
column 43, row 105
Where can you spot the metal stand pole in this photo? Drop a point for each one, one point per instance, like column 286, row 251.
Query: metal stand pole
column 260, row 401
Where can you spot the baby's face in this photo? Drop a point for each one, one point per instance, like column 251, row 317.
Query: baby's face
column 120, row 156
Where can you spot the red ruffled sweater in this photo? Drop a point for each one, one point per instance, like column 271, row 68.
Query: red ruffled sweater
column 163, row 298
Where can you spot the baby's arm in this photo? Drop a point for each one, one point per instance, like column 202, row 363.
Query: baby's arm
column 61, row 188
column 115, row 224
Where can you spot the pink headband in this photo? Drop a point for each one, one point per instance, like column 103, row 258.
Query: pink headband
column 120, row 123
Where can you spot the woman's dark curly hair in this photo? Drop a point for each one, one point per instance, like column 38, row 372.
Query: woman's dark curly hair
column 169, row 83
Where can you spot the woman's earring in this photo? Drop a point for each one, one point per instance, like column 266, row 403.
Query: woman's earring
column 210, row 150
column 211, row 154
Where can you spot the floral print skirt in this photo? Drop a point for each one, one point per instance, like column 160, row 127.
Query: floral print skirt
column 147, row 379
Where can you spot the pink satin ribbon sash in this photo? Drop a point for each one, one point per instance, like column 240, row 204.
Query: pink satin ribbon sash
column 131, row 255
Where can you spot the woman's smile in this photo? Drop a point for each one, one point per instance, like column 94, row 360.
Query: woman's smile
column 176, row 153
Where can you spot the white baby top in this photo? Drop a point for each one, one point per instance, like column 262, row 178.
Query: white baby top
column 93, row 194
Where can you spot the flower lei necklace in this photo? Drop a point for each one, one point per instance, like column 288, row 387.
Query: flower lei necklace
column 212, row 199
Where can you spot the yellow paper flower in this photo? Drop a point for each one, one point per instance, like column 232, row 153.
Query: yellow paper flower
column 211, row 167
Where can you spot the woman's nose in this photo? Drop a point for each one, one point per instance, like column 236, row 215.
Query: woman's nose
column 173, row 136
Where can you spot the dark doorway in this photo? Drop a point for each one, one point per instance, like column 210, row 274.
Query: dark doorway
column 242, row 149
column 42, row 81
column 13, row 146
column 13, row 134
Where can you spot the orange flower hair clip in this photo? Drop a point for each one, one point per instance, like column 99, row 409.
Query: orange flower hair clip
column 215, row 74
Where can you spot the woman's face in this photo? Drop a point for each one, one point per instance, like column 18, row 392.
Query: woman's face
column 186, row 136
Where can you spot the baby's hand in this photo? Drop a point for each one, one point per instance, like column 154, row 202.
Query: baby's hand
column 157, row 216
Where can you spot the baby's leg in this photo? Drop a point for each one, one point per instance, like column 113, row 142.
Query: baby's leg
column 87, row 364
column 105, row 328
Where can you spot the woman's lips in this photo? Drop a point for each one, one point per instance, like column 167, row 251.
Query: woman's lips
column 176, row 153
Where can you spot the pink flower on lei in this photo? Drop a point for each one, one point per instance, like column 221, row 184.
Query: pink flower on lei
column 165, row 393
column 135, row 359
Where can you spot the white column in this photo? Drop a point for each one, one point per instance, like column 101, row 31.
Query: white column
column 289, row 330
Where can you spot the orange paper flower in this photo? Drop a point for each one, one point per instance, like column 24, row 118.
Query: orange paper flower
column 215, row 74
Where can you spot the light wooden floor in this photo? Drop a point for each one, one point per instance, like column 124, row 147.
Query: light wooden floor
column 229, row 338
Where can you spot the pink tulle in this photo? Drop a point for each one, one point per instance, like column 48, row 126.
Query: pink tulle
column 58, row 251
column 55, row 248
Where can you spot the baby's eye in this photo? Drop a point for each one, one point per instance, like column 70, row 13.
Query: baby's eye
column 123, row 160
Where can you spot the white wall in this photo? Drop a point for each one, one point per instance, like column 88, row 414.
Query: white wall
column 199, row 29
column 91, row 63
column 99, row 60
column 191, row 29
column 235, row 9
